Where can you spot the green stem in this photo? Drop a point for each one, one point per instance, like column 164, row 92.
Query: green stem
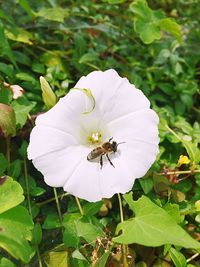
column 40, row 204
column 171, row 131
column 27, row 188
column 29, row 206
column 57, row 204
column 39, row 258
column 79, row 206
column 179, row 172
column 192, row 257
column 124, row 247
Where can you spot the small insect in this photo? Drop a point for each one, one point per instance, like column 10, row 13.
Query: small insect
column 106, row 149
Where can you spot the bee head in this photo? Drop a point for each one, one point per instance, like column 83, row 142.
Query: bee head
column 114, row 146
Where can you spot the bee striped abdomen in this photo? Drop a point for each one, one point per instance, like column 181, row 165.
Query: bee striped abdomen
column 95, row 153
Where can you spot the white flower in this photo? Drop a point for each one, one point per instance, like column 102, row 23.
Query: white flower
column 65, row 135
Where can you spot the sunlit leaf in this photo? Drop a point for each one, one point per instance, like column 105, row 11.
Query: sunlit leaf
column 58, row 259
column 6, row 263
column 152, row 226
column 15, row 232
column 178, row 258
column 11, row 194
column 149, row 23
column 22, row 107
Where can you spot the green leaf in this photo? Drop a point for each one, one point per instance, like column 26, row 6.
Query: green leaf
column 173, row 211
column 146, row 21
column 5, row 95
column 192, row 150
column 15, row 232
column 23, row 149
column 149, row 23
column 11, row 194
column 4, row 164
column 113, row 2
column 5, row 47
column 152, row 226
column 23, row 76
column 55, row 14
column 146, row 184
column 25, row 5
column 15, row 168
column 77, row 226
column 7, row 121
column 103, row 259
column 178, row 258
column 19, row 35
column 22, row 107
column 92, row 208
column 37, row 234
column 70, row 237
column 58, row 259
column 171, row 26
column 6, row 69
column 78, row 255
column 6, row 263
column 51, row 221
column 87, row 229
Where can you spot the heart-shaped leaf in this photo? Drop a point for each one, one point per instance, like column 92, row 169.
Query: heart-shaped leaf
column 152, row 226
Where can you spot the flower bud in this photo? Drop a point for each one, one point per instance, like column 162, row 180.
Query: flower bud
column 7, row 121
column 48, row 95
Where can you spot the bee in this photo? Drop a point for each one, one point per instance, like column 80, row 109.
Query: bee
column 106, row 149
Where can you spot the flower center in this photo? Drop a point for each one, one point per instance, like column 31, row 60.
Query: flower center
column 94, row 137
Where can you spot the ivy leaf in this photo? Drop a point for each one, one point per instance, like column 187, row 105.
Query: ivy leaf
column 178, row 258
column 22, row 107
column 77, row 227
column 11, row 194
column 149, row 23
column 15, row 232
column 171, row 26
column 152, row 226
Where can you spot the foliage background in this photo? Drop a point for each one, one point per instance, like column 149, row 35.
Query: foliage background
column 62, row 41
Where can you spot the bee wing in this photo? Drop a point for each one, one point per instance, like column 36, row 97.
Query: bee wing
column 95, row 153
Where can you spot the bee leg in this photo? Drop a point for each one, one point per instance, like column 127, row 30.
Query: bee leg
column 101, row 160
column 110, row 161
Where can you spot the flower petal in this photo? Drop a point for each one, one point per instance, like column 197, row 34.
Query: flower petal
column 140, row 125
column 44, row 139
column 116, row 180
column 65, row 114
column 58, row 166
column 84, row 182
column 115, row 95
